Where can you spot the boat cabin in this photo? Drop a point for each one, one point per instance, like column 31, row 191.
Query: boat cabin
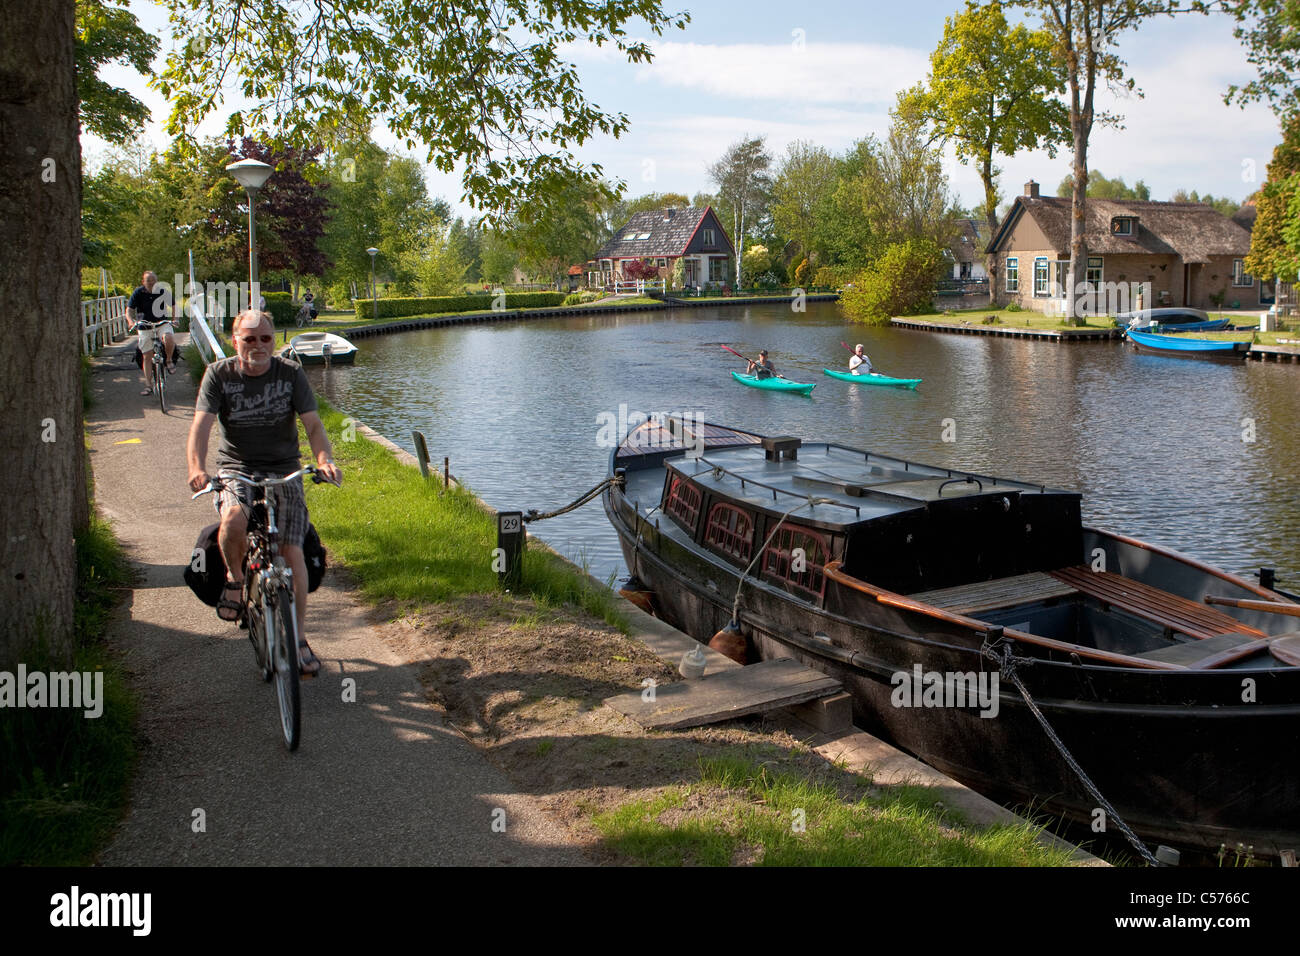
column 902, row 526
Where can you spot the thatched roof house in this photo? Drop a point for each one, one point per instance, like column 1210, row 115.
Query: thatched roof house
column 1180, row 253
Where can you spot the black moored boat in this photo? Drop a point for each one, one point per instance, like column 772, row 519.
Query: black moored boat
column 911, row 584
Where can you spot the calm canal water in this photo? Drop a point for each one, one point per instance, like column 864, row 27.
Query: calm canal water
column 1155, row 445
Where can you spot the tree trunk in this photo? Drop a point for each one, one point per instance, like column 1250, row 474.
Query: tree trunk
column 42, row 471
column 1078, row 222
column 991, row 215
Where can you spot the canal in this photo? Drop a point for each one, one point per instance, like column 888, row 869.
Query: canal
column 1196, row 456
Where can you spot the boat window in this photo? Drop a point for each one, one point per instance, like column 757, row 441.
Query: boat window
column 797, row 557
column 731, row 531
column 683, row 501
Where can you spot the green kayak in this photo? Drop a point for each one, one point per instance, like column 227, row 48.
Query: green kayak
column 774, row 384
column 874, row 378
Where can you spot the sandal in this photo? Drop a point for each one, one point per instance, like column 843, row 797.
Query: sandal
column 308, row 663
column 231, row 610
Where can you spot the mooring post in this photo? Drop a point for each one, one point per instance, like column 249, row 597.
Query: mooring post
column 421, row 452
column 510, row 548
column 446, row 473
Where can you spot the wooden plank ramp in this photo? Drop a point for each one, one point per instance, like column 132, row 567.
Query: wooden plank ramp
column 726, row 695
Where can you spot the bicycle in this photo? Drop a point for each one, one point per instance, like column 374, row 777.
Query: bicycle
column 306, row 315
column 268, row 607
column 158, row 374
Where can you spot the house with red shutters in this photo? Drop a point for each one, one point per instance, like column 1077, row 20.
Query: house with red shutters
column 662, row 236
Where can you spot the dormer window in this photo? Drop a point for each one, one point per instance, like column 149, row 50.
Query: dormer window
column 1123, row 225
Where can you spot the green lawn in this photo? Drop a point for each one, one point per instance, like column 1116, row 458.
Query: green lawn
column 1023, row 319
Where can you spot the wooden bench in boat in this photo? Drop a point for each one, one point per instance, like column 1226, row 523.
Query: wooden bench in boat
column 1176, row 613
column 972, row 599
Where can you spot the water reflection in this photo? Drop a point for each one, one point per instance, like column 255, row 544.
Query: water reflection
column 1155, row 445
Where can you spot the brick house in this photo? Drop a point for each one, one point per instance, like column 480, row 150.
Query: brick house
column 1186, row 252
column 663, row 236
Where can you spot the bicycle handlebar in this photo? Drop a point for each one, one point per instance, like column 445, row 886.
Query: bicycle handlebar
column 217, row 483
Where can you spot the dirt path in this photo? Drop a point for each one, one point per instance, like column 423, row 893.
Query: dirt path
column 379, row 781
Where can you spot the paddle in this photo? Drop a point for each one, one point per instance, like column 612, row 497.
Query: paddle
column 746, row 358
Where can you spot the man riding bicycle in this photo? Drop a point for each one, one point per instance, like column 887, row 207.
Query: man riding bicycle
column 150, row 307
column 256, row 396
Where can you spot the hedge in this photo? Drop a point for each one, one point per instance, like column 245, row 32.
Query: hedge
column 429, row 305
column 281, row 307
column 92, row 291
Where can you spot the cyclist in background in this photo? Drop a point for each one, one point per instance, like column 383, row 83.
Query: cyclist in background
column 256, row 396
column 146, row 305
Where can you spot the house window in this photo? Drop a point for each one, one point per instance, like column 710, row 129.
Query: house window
column 1092, row 275
column 683, row 502
column 964, row 270
column 1040, row 276
column 1013, row 274
column 661, row 262
column 731, row 531
column 780, row 560
column 708, row 237
column 1122, row 226
column 1240, row 278
column 717, row 270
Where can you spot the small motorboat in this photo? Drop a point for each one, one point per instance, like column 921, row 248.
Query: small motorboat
column 320, row 348
column 1185, row 346
column 775, row 384
column 873, row 378
column 1171, row 320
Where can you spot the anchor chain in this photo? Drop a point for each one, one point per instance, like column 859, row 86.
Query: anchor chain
column 532, row 514
column 999, row 651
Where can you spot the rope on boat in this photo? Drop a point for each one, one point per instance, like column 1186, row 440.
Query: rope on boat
column 533, row 515
column 735, row 607
column 999, row 651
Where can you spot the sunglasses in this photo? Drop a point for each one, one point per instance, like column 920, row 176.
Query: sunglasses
column 250, row 339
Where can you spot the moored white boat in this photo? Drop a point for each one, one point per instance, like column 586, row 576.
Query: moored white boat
column 312, row 348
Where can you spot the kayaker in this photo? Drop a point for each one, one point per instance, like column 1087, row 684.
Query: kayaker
column 859, row 364
column 761, row 367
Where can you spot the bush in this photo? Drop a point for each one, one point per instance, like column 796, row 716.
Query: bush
column 900, row 282
column 801, row 272
column 397, row 308
column 281, row 307
column 92, row 291
column 1013, row 307
column 832, row 277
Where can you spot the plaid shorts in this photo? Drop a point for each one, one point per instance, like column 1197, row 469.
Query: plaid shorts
column 290, row 504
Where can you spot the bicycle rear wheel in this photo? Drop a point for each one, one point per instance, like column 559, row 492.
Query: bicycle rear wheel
column 282, row 642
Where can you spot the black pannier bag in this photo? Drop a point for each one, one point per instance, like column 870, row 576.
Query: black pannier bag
column 206, row 572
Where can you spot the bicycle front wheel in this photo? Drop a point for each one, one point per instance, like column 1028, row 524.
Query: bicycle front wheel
column 159, row 376
column 282, row 641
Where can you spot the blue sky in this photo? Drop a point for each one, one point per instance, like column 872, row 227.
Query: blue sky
column 828, row 71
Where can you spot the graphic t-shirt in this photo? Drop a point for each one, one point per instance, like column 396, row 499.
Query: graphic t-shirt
column 258, row 413
column 150, row 306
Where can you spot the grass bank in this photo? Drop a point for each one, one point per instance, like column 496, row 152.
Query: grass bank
column 64, row 776
column 768, row 817
column 1021, row 319
column 409, row 541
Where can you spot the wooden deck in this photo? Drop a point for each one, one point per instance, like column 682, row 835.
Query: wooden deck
column 726, row 695
column 971, row 599
column 1168, row 610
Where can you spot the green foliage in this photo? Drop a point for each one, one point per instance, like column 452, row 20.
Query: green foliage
column 564, row 230
column 900, row 282
column 801, row 194
column 1222, row 204
column 485, row 87
column 1099, row 187
column 1274, row 242
column 832, row 277
column 1270, row 29
column 434, row 267
column 757, row 260
column 282, row 308
column 93, row 291
column 582, row 298
column 801, row 272
column 745, row 185
column 108, row 33
column 433, row 305
column 992, row 89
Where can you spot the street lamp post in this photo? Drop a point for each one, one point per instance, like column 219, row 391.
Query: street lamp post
column 252, row 175
column 374, row 292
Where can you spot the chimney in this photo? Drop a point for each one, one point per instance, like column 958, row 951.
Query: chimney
column 1031, row 189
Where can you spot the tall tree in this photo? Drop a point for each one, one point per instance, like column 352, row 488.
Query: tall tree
column 741, row 176
column 484, row 86
column 1274, row 244
column 801, row 191
column 1222, row 204
column 43, row 500
column 1084, row 34
column 991, row 91
column 551, row 236
column 107, row 32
